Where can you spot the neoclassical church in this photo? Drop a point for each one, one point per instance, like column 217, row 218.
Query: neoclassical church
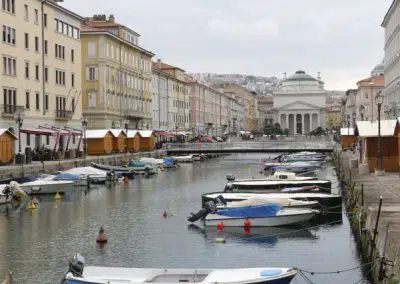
column 299, row 103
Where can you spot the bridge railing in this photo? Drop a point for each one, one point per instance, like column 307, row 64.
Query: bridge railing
column 270, row 144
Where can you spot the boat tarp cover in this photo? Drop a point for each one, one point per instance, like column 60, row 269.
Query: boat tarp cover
column 67, row 176
column 265, row 210
column 136, row 163
column 168, row 161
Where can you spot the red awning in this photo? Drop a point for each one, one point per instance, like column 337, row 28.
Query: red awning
column 51, row 132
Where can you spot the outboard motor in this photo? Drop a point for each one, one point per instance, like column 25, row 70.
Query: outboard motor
column 75, row 267
column 228, row 188
column 208, row 207
column 221, row 200
column 230, row 177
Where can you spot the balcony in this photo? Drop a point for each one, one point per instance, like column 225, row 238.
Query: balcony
column 62, row 114
column 131, row 114
column 9, row 110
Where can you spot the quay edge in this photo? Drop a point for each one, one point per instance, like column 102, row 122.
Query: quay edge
column 377, row 232
column 37, row 168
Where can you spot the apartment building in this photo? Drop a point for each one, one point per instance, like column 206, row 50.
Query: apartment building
column 41, row 69
column 175, row 92
column 367, row 90
column 210, row 109
column 116, row 76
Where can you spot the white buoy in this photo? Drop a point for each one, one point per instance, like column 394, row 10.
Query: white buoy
column 220, row 240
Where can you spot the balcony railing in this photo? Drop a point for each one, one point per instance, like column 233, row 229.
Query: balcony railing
column 64, row 114
column 9, row 110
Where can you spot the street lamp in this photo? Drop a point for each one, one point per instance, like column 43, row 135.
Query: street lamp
column 348, row 124
column 379, row 101
column 362, row 111
column 176, row 132
column 126, row 132
column 19, row 119
column 84, row 125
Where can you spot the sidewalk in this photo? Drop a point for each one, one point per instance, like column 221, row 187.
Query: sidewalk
column 387, row 187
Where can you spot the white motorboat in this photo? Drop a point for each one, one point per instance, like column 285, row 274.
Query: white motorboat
column 284, row 202
column 47, row 186
column 294, row 167
column 264, row 215
column 334, row 202
column 78, row 179
column 95, row 175
column 277, row 185
column 275, row 176
column 184, row 159
column 153, row 161
column 79, row 274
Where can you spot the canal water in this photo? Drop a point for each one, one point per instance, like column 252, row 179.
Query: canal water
column 37, row 245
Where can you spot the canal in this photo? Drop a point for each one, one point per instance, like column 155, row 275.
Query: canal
column 37, row 245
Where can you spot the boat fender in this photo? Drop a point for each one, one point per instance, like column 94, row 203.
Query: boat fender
column 220, row 240
column 31, row 205
column 57, row 197
column 220, row 226
column 247, row 223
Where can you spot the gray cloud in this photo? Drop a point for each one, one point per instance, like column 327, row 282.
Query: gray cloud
column 342, row 39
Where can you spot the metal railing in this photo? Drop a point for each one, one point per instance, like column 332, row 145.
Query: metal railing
column 64, row 114
column 9, row 110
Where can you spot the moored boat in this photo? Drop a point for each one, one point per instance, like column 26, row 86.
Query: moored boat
column 79, row 274
column 123, row 171
column 184, row 159
column 91, row 173
column 139, row 167
column 39, row 187
column 276, row 185
column 294, row 167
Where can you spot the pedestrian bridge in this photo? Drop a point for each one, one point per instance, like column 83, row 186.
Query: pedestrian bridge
column 267, row 146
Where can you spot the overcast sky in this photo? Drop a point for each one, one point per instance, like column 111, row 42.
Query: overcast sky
column 342, row 39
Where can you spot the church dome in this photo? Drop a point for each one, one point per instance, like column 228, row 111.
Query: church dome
column 300, row 76
column 378, row 70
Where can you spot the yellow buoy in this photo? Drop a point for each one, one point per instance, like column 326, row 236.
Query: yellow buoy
column 162, row 169
column 57, row 197
column 31, row 205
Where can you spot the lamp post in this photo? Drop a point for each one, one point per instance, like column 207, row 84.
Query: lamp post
column 126, row 132
column 19, row 119
column 379, row 101
column 84, row 125
column 348, row 124
column 362, row 111
column 176, row 132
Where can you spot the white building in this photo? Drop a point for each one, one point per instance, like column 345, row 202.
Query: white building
column 391, row 24
column 300, row 103
column 160, row 97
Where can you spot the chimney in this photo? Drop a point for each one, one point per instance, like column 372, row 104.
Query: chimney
column 159, row 63
column 111, row 18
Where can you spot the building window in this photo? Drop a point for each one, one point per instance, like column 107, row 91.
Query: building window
column 27, row 104
column 8, row 35
column 72, row 55
column 45, row 20
column 9, row 66
column 46, row 102
column 73, row 104
column 72, row 80
column 46, row 49
column 26, row 40
column 36, row 16
column 10, row 100
column 28, row 139
column 92, row 99
column 37, row 72
column 73, row 139
column 37, row 101
column 46, row 74
column 92, row 73
column 36, row 44
column 366, row 95
column 8, row 6
column 92, row 49
column 26, row 70
column 47, row 140
column 60, row 51
column 60, row 77
column 26, row 13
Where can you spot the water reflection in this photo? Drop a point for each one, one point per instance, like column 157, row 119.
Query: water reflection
column 257, row 235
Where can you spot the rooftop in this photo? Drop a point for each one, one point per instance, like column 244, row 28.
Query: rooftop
column 300, row 76
column 376, row 81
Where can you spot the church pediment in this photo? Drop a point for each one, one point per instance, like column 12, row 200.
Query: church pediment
column 298, row 105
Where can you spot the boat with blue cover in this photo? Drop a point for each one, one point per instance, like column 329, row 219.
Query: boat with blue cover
column 79, row 274
column 139, row 167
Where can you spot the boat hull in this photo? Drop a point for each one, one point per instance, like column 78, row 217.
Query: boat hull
column 274, row 221
column 53, row 188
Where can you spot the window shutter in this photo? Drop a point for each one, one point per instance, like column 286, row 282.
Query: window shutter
column 87, row 73
column 96, row 73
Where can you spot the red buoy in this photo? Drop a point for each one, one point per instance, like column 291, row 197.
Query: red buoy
column 220, row 226
column 247, row 230
column 247, row 223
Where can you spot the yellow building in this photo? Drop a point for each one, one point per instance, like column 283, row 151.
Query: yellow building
column 333, row 116
column 116, row 75
column 41, row 69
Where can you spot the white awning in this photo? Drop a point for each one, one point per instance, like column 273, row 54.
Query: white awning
column 370, row 129
column 346, row 131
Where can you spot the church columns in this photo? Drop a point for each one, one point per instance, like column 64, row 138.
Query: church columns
column 303, row 124
column 287, row 121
